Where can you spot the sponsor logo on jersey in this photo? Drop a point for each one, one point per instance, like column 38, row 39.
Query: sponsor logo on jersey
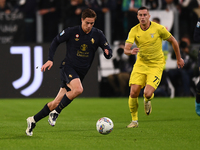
column 84, row 47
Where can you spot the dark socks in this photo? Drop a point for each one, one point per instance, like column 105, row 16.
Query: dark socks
column 63, row 103
column 42, row 113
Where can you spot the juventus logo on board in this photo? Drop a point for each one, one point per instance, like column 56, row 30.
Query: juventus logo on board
column 25, row 51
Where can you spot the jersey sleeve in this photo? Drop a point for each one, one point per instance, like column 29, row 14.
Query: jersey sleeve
column 105, row 45
column 131, row 37
column 197, row 32
column 63, row 36
column 164, row 33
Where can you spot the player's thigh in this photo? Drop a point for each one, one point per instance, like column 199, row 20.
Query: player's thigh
column 137, row 78
column 67, row 74
column 75, row 85
column 154, row 76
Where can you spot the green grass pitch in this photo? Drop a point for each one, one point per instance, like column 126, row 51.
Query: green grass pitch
column 172, row 125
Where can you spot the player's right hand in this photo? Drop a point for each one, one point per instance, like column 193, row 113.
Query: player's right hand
column 180, row 63
column 134, row 51
column 47, row 65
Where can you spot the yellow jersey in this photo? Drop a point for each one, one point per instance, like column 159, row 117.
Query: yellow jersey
column 149, row 43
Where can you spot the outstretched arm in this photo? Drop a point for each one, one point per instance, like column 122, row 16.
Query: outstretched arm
column 129, row 51
column 180, row 61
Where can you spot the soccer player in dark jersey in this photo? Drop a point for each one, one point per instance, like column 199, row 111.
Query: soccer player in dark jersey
column 82, row 43
column 197, row 39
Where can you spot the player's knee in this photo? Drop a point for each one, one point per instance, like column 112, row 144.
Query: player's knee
column 134, row 94
column 78, row 91
column 148, row 95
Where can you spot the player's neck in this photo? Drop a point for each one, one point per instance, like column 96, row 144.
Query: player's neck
column 145, row 26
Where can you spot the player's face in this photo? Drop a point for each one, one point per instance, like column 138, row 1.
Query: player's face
column 87, row 24
column 143, row 17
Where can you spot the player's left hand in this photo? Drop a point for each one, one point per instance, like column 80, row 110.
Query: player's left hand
column 106, row 51
column 180, row 63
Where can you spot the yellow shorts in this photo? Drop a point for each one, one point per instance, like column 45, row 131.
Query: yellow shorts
column 143, row 74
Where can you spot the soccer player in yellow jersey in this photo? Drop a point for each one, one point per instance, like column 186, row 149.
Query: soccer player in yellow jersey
column 147, row 70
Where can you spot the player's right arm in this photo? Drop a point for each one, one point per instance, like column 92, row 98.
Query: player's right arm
column 63, row 36
column 128, row 51
column 129, row 43
column 47, row 65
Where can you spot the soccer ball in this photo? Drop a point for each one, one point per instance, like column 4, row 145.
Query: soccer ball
column 104, row 125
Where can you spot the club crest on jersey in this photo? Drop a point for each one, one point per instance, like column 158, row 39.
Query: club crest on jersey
column 77, row 37
column 92, row 40
column 84, row 47
column 62, row 33
column 152, row 35
column 198, row 24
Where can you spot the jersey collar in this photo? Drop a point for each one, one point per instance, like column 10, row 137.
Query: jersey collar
column 83, row 33
column 147, row 28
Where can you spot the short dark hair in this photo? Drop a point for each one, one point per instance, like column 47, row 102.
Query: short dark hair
column 142, row 8
column 88, row 13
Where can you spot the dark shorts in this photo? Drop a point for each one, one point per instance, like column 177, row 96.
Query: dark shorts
column 68, row 73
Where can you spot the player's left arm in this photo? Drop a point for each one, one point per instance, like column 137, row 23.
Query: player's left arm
column 105, row 46
column 180, row 61
column 47, row 65
column 107, row 52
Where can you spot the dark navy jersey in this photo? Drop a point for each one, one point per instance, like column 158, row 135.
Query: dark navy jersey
column 81, row 47
column 197, row 32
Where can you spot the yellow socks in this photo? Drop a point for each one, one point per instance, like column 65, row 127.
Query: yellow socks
column 133, row 106
column 146, row 100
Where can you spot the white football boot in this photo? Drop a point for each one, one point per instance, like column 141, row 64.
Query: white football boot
column 147, row 107
column 52, row 117
column 30, row 126
column 133, row 124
